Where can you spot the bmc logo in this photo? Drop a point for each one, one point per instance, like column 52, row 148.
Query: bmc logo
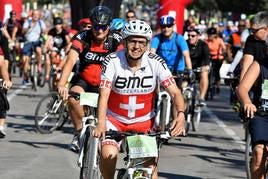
column 93, row 57
column 134, row 82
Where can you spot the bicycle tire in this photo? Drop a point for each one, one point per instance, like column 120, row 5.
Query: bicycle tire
column 34, row 76
column 46, row 120
column 188, row 113
column 90, row 167
column 163, row 114
column 248, row 156
column 196, row 109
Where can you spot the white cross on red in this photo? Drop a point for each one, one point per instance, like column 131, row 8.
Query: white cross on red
column 132, row 106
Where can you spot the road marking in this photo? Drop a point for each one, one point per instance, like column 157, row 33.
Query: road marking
column 226, row 129
column 12, row 95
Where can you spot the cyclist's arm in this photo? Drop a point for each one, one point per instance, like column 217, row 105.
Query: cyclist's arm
column 177, row 98
column 68, row 43
column 246, row 62
column 102, row 110
column 187, row 59
column 245, row 85
column 14, row 33
column 67, row 69
column 5, row 32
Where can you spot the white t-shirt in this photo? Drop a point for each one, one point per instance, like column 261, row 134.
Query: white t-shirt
column 33, row 34
column 132, row 94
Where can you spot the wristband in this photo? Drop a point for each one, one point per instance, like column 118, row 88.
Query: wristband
column 180, row 112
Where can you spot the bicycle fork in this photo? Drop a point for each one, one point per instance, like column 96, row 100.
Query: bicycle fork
column 161, row 96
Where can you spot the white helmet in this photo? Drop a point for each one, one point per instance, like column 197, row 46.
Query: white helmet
column 137, row 28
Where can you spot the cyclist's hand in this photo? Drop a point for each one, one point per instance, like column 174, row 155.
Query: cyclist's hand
column 191, row 76
column 178, row 126
column 99, row 131
column 7, row 84
column 63, row 91
column 250, row 110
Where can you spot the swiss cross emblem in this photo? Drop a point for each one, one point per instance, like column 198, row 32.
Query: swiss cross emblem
column 132, row 106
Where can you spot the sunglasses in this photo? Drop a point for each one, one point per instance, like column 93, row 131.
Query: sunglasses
column 254, row 31
column 141, row 44
column 191, row 36
column 102, row 27
column 87, row 26
column 164, row 26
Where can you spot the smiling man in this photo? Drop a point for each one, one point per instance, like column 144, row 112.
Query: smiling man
column 129, row 81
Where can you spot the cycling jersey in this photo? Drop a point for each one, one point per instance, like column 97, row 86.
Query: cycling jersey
column 92, row 54
column 215, row 48
column 10, row 25
column 171, row 50
column 132, row 93
column 199, row 54
column 59, row 40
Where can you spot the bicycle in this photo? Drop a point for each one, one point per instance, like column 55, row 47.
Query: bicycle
column 88, row 158
column 140, row 149
column 190, row 91
column 51, row 112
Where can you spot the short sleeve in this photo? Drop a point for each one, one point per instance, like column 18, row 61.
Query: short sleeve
column 182, row 43
column 155, row 42
column 108, row 71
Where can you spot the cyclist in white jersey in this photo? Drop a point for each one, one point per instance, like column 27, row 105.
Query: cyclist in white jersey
column 129, row 82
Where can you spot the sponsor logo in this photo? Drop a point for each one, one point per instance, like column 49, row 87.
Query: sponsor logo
column 134, row 82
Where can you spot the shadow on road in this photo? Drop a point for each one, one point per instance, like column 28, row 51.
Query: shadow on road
column 175, row 176
column 41, row 145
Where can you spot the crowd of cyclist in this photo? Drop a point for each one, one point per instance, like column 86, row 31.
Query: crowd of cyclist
column 107, row 53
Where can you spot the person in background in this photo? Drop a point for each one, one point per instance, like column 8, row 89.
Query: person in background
column 130, row 15
column 4, row 76
column 199, row 53
column 89, row 47
column 217, row 49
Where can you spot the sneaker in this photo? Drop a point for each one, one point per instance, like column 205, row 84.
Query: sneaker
column 2, row 133
column 74, row 146
column 202, row 102
column 26, row 82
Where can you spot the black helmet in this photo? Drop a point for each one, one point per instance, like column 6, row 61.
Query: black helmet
column 101, row 15
column 57, row 20
column 211, row 31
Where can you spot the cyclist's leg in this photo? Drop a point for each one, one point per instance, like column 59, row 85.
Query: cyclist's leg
column 38, row 51
column 203, row 84
column 259, row 134
column 259, row 158
column 26, row 52
column 76, row 111
column 109, row 153
column 48, row 64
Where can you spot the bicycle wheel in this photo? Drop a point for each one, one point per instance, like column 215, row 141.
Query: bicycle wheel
column 188, row 114
column 248, row 156
column 90, row 167
column 49, row 113
column 34, row 75
column 196, row 111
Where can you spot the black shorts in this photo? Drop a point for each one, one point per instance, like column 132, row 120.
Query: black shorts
column 78, row 81
column 258, row 129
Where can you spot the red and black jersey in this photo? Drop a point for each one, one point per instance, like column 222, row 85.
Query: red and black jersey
column 91, row 54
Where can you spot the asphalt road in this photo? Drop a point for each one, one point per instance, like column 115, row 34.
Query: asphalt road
column 216, row 150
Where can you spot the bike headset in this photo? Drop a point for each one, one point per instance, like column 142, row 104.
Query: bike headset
column 166, row 20
column 136, row 28
column 101, row 15
column 117, row 24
